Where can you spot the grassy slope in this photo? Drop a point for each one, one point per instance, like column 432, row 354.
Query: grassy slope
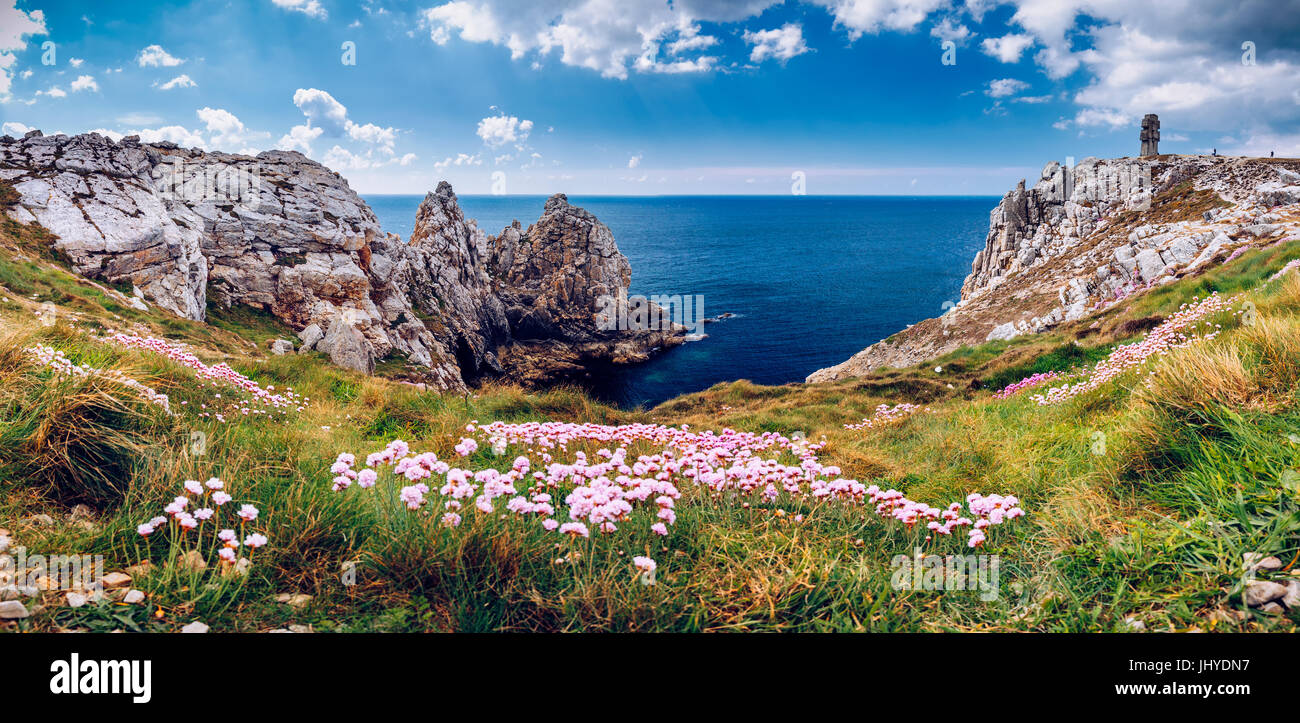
column 1154, row 528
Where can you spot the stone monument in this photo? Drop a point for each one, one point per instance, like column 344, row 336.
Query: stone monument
column 1150, row 135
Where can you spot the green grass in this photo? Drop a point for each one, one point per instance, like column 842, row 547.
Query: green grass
column 1192, row 476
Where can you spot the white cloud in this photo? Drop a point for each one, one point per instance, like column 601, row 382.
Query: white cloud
column 155, row 56
column 1003, row 87
column 111, row 135
column 781, row 43
column 174, row 134
column 327, row 116
column 322, row 110
column 498, row 130
column 310, row 8
column 227, row 133
column 461, row 159
column 951, row 31
column 15, row 26
column 689, row 39
column 180, row 81
column 1161, row 62
column 1007, row 48
column 606, row 36
column 634, row 161
column 75, row 62
column 857, row 17
column 84, row 82
column 54, row 92
column 299, row 138
column 372, row 134
column 14, row 128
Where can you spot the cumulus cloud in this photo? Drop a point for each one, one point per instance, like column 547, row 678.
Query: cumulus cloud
column 84, row 82
column 460, row 159
column 605, row 36
column 325, row 113
column 15, row 26
column 498, row 130
column 299, row 138
column 14, row 128
column 155, row 56
column 322, row 110
column 228, row 133
column 949, row 30
column 1003, row 87
column 858, row 17
column 780, row 43
column 179, row 135
column 180, row 81
column 310, row 8
column 634, row 161
column 1163, row 60
column 1007, row 48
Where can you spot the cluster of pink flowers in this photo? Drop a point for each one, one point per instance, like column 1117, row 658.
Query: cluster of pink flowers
column 61, row 364
column 1029, row 381
column 986, row 511
column 203, row 503
column 612, row 490
column 259, row 401
column 1290, row 265
column 886, row 415
column 1182, row 328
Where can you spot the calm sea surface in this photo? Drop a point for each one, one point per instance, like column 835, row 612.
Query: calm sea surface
column 811, row 280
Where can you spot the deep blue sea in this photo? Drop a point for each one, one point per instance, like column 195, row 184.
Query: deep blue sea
column 811, row 280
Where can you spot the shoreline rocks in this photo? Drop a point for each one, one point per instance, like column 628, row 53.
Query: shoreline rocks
column 283, row 234
column 1082, row 239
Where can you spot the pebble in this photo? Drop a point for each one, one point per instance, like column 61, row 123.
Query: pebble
column 195, row 627
column 140, row 570
column 5, row 542
column 116, row 579
column 1256, row 561
column 133, row 597
column 82, row 512
column 1134, row 624
column 12, row 610
column 44, row 520
column 1292, row 597
column 76, row 599
column 1273, row 609
column 1259, row 592
column 192, row 560
column 297, row 599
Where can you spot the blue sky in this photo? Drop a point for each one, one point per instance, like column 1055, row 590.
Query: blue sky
column 652, row 97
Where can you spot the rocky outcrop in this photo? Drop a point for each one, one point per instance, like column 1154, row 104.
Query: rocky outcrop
column 447, row 279
column 556, row 277
column 1083, row 239
column 284, row 234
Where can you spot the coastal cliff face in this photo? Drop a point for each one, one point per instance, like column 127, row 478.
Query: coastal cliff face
column 284, row 234
column 1083, row 239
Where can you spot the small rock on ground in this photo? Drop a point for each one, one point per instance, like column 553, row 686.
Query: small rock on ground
column 195, row 627
column 12, row 610
column 1260, row 592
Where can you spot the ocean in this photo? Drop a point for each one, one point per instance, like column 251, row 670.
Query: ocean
column 809, row 280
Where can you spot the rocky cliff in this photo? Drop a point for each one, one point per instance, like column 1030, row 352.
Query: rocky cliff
column 284, row 234
column 1084, row 238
